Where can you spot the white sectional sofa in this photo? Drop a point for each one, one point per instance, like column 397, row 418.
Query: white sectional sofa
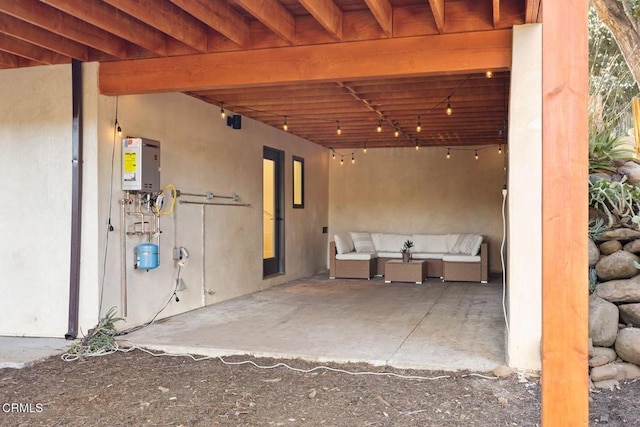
column 452, row 257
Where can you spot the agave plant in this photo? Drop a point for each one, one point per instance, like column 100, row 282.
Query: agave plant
column 604, row 149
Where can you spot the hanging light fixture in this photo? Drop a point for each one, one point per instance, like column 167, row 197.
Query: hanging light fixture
column 285, row 127
column 418, row 127
column 500, row 149
column 489, row 74
column 353, row 159
column 223, row 115
column 365, row 148
column 379, row 128
column 396, row 133
column 477, row 155
column 448, row 153
column 338, row 130
column 333, row 154
column 449, row 109
column 417, row 146
column 118, row 128
column 341, row 160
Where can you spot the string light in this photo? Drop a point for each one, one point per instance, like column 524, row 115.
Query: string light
column 338, row 130
column 489, row 74
column 353, row 159
column 449, row 109
column 418, row 127
column 223, row 115
column 379, row 128
column 285, row 127
column 118, row 128
column 365, row 148
column 417, row 146
column 476, row 154
column 341, row 160
column 448, row 153
column 333, row 154
column 500, row 149
column 396, row 133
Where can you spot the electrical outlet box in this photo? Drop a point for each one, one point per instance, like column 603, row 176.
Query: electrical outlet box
column 140, row 165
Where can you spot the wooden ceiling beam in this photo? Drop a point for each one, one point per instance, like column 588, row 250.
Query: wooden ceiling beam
column 274, row 16
column 8, row 60
column 40, row 37
column 398, row 57
column 41, row 15
column 221, row 17
column 114, row 21
column 437, row 9
column 533, row 11
column 496, row 13
column 383, row 12
column 26, row 50
column 327, row 14
column 167, row 18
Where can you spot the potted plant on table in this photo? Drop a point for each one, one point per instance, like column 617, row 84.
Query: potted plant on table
column 406, row 251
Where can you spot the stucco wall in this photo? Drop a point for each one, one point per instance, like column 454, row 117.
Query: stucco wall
column 402, row 190
column 524, row 281
column 200, row 154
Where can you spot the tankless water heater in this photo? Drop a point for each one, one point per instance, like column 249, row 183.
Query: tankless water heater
column 140, row 165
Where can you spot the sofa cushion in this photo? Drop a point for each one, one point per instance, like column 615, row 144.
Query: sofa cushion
column 362, row 241
column 431, row 243
column 357, row 256
column 427, row 255
column 468, row 244
column 343, row 245
column 396, row 254
column 461, row 258
column 392, row 242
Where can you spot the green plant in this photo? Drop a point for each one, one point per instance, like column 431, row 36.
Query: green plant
column 596, row 228
column 619, row 200
column 407, row 247
column 593, row 280
column 99, row 340
column 604, row 149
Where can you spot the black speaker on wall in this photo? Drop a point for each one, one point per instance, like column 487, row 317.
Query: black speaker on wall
column 235, row 121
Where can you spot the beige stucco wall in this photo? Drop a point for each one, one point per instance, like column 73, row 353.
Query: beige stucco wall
column 35, row 221
column 524, row 279
column 200, row 154
column 401, row 190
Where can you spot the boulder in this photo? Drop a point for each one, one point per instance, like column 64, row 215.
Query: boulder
column 632, row 171
column 601, row 373
column 603, row 321
column 627, row 371
column 594, row 253
column 618, row 265
column 628, row 345
column 619, row 234
column 630, row 314
column 633, row 246
column 620, row 290
column 610, row 246
column 608, row 384
column 601, row 356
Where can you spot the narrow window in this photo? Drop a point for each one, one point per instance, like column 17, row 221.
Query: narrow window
column 298, row 182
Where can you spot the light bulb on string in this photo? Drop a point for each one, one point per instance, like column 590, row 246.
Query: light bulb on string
column 396, row 133
column 418, row 127
column 333, row 154
column 489, row 74
column 118, row 128
column 500, row 149
column 285, row 127
column 341, row 160
column 449, row 109
column 417, row 146
column 448, row 153
column 223, row 115
column 477, row 155
column 379, row 128
column 353, row 159
column 365, row 149
column 338, row 130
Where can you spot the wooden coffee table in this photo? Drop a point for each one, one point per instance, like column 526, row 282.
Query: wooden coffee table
column 398, row 271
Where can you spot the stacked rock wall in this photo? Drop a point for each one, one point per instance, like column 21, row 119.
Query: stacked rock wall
column 614, row 308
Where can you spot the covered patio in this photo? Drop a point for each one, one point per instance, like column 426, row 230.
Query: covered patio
column 439, row 326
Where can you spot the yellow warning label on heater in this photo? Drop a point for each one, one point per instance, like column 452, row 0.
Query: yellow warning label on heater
column 130, row 162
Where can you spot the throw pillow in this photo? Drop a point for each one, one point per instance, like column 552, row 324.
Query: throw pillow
column 342, row 244
column 362, row 242
column 467, row 244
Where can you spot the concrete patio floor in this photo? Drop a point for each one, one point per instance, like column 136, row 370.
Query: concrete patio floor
column 439, row 326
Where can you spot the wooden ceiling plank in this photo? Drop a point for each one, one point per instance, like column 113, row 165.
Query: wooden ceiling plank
column 219, row 16
column 114, row 21
column 496, row 13
column 40, row 37
column 398, row 57
column 273, row 15
column 437, row 9
column 327, row 14
column 41, row 15
column 533, row 11
column 383, row 12
column 167, row 18
column 26, row 50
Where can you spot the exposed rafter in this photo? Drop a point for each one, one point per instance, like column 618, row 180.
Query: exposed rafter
column 383, row 12
column 496, row 13
column 274, row 16
column 437, row 9
column 533, row 12
column 327, row 14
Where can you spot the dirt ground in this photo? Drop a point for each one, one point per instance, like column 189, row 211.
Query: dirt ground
column 135, row 388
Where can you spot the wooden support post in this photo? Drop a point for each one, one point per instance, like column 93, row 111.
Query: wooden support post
column 564, row 214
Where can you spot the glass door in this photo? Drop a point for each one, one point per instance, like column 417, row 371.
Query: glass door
column 272, row 207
